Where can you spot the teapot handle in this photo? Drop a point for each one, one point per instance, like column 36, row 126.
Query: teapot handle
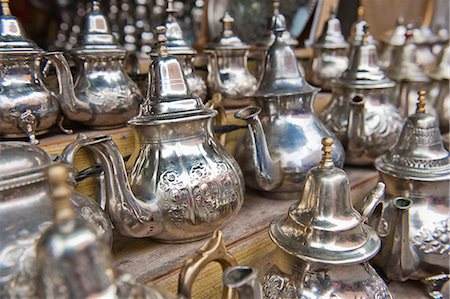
column 215, row 103
column 213, row 251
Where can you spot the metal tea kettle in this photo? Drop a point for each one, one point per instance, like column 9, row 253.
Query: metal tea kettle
column 360, row 112
column 25, row 212
column 183, row 184
column 28, row 107
column 103, row 95
column 322, row 243
column 278, row 150
column 413, row 224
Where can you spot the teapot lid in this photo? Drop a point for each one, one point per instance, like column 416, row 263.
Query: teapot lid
column 357, row 30
column 442, row 69
column 424, row 35
column 323, row 225
column 228, row 39
column 364, row 70
column 419, row 152
column 281, row 74
column 12, row 34
column 404, row 65
column 396, row 37
column 176, row 44
column 97, row 35
column 168, row 97
column 331, row 37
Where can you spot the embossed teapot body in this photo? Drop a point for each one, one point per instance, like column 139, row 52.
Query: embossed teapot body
column 322, row 244
column 183, row 184
column 25, row 212
column 103, row 95
column 413, row 224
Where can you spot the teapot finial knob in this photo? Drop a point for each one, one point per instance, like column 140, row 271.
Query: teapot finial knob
column 276, row 7
column 170, row 10
column 96, row 5
column 6, row 11
column 360, row 12
column 228, row 22
column 333, row 11
column 421, row 102
column 327, row 149
column 58, row 176
column 161, row 41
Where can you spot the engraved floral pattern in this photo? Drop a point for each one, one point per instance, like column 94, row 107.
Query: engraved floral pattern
column 434, row 241
column 276, row 286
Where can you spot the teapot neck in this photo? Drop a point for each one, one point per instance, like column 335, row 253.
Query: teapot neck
column 288, row 104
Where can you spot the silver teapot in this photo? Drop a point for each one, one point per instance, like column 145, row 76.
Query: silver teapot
column 278, row 150
column 103, row 95
column 177, row 46
column 329, row 53
column 227, row 67
column 28, row 108
column 393, row 38
column 25, row 212
column 413, row 223
column 323, row 244
column 360, row 112
column 183, row 184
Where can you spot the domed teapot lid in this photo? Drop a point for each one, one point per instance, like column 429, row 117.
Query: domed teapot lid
column 419, row 152
column 228, row 39
column 442, row 69
column 331, row 37
column 176, row 44
column 281, row 74
column 12, row 35
column 323, row 226
column 168, row 96
column 363, row 70
column 97, row 35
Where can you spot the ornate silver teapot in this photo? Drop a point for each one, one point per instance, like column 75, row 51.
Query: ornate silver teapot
column 103, row 96
column 177, row 46
column 227, row 67
column 360, row 113
column 323, row 245
column 25, row 212
column 28, row 108
column 183, row 184
column 278, row 150
column 413, row 224
column 329, row 53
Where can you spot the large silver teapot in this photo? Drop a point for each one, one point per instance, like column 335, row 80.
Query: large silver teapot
column 413, row 224
column 323, row 245
column 281, row 144
column 183, row 184
column 103, row 95
column 27, row 106
column 360, row 112
column 25, row 212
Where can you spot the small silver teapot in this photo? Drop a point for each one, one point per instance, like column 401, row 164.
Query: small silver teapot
column 329, row 53
column 28, row 108
column 178, row 47
column 183, row 184
column 278, row 149
column 227, row 67
column 360, row 113
column 323, row 244
column 413, row 223
column 25, row 212
column 103, row 95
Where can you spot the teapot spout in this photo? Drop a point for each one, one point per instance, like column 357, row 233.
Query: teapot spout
column 245, row 280
column 131, row 216
column 356, row 135
column 268, row 174
column 372, row 200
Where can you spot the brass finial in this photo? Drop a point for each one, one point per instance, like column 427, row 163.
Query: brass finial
column 6, row 11
column 228, row 22
column 96, row 5
column 421, row 102
column 400, row 21
column 170, row 10
column 61, row 190
column 360, row 12
column 161, row 41
column 276, row 7
column 327, row 149
column 333, row 11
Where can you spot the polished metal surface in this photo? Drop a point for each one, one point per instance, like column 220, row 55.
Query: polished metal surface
column 183, row 184
column 330, row 53
column 245, row 280
column 394, row 38
column 360, row 112
column 413, row 223
column 323, row 244
column 282, row 142
column 103, row 95
column 227, row 67
column 27, row 106
column 25, row 196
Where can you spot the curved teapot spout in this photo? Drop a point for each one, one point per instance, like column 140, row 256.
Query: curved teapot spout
column 245, row 280
column 372, row 200
column 131, row 217
column 356, row 134
column 268, row 172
